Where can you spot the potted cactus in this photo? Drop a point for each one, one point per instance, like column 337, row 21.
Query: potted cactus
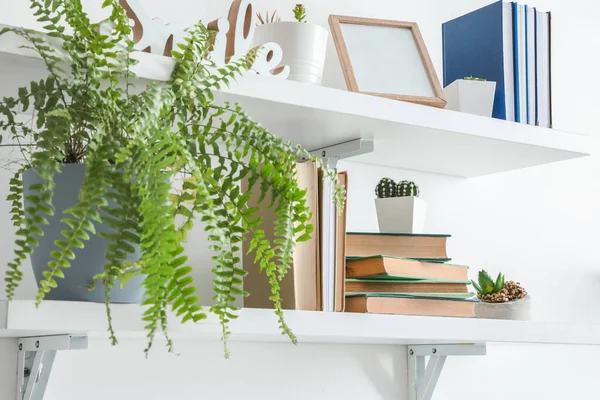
column 304, row 44
column 471, row 95
column 501, row 299
column 399, row 208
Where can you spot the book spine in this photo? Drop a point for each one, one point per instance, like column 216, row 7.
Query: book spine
column 527, row 61
column 515, row 14
column 537, row 96
column 550, row 65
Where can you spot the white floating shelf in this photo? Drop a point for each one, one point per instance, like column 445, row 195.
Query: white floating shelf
column 21, row 318
column 405, row 135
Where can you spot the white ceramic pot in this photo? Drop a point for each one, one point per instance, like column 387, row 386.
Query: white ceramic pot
column 304, row 47
column 473, row 97
column 401, row 214
column 515, row 310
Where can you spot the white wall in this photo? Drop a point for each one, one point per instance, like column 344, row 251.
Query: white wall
column 539, row 226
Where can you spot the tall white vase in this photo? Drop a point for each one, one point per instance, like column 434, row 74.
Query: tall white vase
column 304, row 48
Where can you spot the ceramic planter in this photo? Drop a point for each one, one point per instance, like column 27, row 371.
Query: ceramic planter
column 304, row 47
column 515, row 310
column 473, row 97
column 88, row 261
column 401, row 214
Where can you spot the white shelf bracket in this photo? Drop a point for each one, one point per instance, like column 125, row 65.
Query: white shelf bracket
column 36, row 356
column 422, row 378
column 332, row 154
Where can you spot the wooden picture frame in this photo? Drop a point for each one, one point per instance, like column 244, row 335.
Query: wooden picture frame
column 335, row 22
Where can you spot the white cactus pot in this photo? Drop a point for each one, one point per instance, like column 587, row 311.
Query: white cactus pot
column 514, row 310
column 304, row 48
column 473, row 97
column 401, row 214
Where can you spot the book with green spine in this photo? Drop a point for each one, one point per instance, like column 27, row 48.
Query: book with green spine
column 408, row 245
column 402, row 304
column 409, row 295
column 392, row 284
column 383, row 267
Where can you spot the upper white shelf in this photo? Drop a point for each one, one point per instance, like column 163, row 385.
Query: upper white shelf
column 21, row 318
column 405, row 135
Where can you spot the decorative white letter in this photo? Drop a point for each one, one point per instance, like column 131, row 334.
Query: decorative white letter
column 242, row 23
column 267, row 61
column 219, row 44
column 149, row 35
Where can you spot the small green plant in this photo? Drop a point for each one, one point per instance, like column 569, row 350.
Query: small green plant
column 407, row 188
column 486, row 285
column 386, row 188
column 472, row 78
column 499, row 291
column 268, row 19
column 300, row 13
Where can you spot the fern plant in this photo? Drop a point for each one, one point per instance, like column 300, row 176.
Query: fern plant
column 133, row 144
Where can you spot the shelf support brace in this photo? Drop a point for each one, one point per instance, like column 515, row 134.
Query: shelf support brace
column 35, row 360
column 332, row 154
column 422, row 378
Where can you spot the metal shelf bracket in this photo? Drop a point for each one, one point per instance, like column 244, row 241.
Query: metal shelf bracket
column 332, row 154
column 36, row 356
column 422, row 378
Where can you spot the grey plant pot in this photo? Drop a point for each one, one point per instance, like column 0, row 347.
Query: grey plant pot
column 88, row 261
column 514, row 310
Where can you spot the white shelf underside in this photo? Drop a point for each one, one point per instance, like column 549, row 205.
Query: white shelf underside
column 21, row 318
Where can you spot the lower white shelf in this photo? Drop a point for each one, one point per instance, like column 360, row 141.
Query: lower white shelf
column 21, row 319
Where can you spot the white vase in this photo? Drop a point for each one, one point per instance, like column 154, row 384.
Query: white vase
column 401, row 214
column 514, row 310
column 304, row 48
column 473, row 97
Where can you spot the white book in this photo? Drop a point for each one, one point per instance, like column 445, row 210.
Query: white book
column 328, row 232
column 531, row 70
column 522, row 70
column 539, row 15
column 544, row 106
column 508, row 57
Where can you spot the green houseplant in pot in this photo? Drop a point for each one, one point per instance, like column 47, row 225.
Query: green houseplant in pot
column 501, row 299
column 399, row 208
column 304, row 44
column 123, row 169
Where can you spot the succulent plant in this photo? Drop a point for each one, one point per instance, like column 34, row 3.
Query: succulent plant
column 499, row 291
column 472, row 78
column 407, row 188
column 486, row 285
column 386, row 188
column 300, row 13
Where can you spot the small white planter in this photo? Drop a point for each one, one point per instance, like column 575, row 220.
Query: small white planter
column 401, row 214
column 515, row 310
column 473, row 97
column 304, row 47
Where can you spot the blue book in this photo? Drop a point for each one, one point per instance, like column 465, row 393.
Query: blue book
column 480, row 44
column 527, row 61
column 537, row 67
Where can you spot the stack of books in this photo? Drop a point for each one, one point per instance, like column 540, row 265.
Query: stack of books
column 510, row 44
column 405, row 274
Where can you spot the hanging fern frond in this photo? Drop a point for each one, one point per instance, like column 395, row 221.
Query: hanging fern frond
column 157, row 160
